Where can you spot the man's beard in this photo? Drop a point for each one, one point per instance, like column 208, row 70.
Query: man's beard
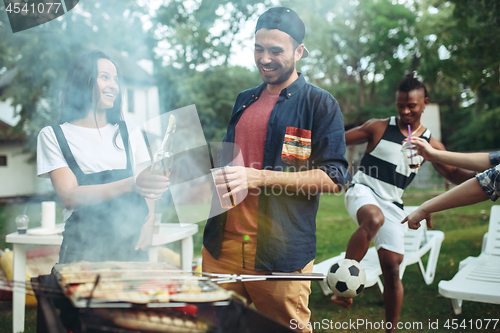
column 280, row 79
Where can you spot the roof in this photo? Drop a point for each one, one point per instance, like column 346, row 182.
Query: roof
column 7, row 137
column 132, row 72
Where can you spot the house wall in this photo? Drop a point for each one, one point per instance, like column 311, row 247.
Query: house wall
column 146, row 107
column 431, row 119
column 427, row 176
column 18, row 177
column 7, row 113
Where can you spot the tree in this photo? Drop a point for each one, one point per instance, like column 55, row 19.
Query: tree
column 42, row 55
column 359, row 51
column 459, row 44
column 194, row 45
column 201, row 34
column 354, row 46
column 214, row 92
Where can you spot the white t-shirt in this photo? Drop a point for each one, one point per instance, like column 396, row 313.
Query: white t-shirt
column 92, row 148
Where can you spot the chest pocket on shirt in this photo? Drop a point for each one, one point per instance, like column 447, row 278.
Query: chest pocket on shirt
column 296, row 146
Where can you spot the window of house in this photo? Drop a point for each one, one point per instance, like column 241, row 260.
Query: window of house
column 3, row 160
column 130, row 99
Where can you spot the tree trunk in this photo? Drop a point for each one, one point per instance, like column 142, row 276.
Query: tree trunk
column 361, row 89
column 372, row 90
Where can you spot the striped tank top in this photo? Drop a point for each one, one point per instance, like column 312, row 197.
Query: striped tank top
column 384, row 169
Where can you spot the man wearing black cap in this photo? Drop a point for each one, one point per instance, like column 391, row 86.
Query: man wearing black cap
column 291, row 136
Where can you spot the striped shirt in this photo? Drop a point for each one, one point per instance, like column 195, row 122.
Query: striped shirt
column 385, row 169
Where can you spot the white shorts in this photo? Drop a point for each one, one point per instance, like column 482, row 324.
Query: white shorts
column 391, row 234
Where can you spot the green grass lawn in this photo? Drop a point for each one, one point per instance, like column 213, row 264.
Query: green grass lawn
column 464, row 229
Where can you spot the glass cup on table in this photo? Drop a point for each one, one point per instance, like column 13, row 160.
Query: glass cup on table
column 22, row 223
column 412, row 157
column 219, row 181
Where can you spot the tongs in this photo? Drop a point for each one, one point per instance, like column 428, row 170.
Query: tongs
column 230, row 278
column 163, row 151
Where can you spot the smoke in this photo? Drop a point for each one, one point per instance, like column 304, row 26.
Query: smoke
column 41, row 55
column 192, row 186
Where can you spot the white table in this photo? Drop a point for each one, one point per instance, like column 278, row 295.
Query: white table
column 168, row 233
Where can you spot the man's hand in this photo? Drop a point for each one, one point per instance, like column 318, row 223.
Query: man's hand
column 416, row 216
column 151, row 185
column 239, row 179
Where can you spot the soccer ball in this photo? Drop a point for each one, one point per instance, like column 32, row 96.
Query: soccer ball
column 346, row 278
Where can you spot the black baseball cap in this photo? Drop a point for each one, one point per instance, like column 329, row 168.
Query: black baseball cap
column 286, row 20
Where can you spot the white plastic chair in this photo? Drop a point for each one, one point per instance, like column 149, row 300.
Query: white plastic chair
column 478, row 278
column 417, row 244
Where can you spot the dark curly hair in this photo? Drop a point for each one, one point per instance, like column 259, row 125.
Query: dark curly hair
column 410, row 83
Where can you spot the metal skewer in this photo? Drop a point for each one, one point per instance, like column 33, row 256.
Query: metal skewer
column 93, row 289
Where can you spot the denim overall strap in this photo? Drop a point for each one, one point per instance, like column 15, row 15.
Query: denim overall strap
column 68, row 155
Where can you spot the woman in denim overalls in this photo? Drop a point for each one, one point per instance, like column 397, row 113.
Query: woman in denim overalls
column 110, row 217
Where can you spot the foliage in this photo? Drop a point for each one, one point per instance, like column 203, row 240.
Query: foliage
column 42, row 55
column 353, row 46
column 190, row 30
column 359, row 51
column 214, row 92
column 458, row 46
column 196, row 42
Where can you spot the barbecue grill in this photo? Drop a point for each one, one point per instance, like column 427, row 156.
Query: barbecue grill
column 58, row 312
column 131, row 297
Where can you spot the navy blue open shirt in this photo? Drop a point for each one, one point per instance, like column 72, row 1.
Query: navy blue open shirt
column 286, row 234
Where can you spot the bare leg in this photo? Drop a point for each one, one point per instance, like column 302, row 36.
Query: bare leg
column 370, row 219
column 393, row 287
